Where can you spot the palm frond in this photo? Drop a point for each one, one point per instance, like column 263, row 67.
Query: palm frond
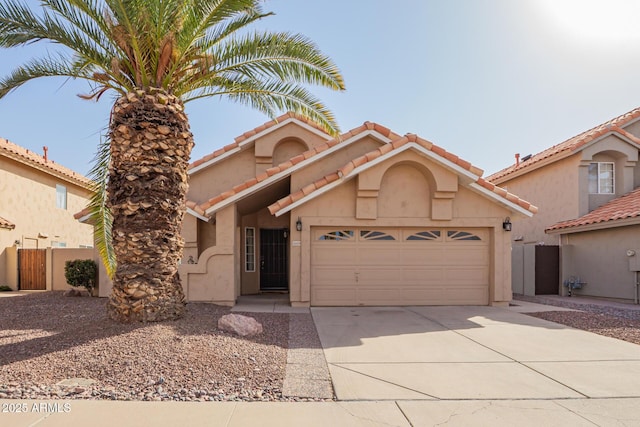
column 270, row 97
column 99, row 213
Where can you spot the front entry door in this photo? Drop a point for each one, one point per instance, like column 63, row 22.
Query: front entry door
column 273, row 260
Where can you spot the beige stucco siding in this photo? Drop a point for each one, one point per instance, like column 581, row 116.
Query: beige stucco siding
column 333, row 161
column 59, row 257
column 28, row 199
column 221, row 176
column 599, row 258
column 265, row 145
column 554, row 189
column 286, row 150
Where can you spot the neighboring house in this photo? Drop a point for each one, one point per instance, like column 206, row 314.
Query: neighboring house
column 370, row 218
column 587, row 189
column 37, row 200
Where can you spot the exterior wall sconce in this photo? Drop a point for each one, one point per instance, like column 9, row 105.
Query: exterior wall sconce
column 299, row 224
column 506, row 224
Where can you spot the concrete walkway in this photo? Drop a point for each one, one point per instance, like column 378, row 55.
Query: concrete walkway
column 489, row 413
column 414, row 366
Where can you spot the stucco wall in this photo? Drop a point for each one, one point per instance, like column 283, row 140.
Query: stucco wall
column 28, row 200
column 599, row 258
column 287, row 149
column 253, row 159
column 59, row 257
column 554, row 190
column 333, row 162
column 221, row 176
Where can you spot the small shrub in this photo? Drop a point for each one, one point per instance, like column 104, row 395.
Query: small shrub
column 81, row 272
column 5, row 288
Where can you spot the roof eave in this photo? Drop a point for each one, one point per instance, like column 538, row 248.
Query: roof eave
column 287, row 172
column 603, row 225
column 535, row 165
column 344, row 178
column 42, row 168
column 260, row 134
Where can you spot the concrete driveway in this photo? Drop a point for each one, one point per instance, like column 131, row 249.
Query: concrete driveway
column 451, row 353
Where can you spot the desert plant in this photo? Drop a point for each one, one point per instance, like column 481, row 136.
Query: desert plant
column 5, row 288
column 81, row 272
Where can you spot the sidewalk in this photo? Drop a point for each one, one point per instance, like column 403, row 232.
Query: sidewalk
column 490, row 413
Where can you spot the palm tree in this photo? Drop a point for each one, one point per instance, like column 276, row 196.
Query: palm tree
column 156, row 55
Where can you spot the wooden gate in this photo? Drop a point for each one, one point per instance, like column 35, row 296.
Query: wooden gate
column 32, row 267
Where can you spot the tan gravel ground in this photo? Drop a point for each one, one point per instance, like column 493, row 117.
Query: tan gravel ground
column 46, row 338
column 614, row 322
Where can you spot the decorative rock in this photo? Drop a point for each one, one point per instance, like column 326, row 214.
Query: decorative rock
column 240, row 325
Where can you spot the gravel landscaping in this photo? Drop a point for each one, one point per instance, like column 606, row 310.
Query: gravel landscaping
column 52, row 346
column 614, row 322
column 57, row 347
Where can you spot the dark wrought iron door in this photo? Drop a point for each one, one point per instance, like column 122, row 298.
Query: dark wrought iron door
column 273, row 260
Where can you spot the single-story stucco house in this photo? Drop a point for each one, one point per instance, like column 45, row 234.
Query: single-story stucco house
column 369, row 218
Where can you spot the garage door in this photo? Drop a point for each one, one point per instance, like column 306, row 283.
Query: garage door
column 409, row 266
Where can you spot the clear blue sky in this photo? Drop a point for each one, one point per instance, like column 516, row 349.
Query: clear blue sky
column 482, row 78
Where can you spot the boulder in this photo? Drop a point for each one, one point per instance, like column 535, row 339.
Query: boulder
column 240, row 325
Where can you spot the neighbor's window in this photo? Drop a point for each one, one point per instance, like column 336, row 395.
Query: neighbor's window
column 55, row 244
column 249, row 249
column 601, row 179
column 61, row 196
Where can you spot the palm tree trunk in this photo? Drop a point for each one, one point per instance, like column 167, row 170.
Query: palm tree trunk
column 150, row 149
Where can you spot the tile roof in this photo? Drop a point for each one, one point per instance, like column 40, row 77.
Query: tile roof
column 388, row 148
column 240, row 139
column 623, row 207
column 22, row 155
column 194, row 206
column 571, row 145
column 82, row 213
column 6, row 224
column 366, row 126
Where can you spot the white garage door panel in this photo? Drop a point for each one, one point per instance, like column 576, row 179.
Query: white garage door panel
column 351, row 266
